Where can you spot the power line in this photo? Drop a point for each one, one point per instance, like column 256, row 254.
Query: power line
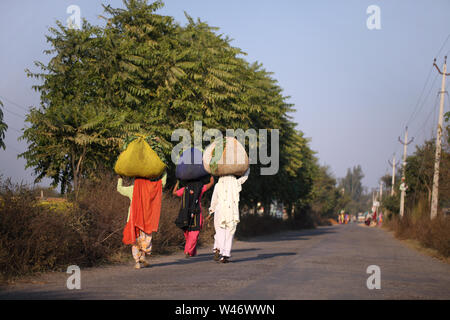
column 16, row 114
column 442, row 47
column 417, row 111
column 423, row 126
column 414, row 115
column 14, row 103
column 421, row 94
column 18, row 131
column 8, row 146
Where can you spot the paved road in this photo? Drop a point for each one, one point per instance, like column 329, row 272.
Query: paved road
column 326, row 263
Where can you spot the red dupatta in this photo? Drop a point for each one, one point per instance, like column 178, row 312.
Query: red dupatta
column 145, row 209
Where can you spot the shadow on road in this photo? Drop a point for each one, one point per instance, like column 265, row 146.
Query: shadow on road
column 48, row 295
column 208, row 257
column 292, row 235
column 237, row 250
column 199, row 258
column 264, row 256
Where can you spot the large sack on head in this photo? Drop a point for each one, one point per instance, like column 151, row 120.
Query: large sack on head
column 139, row 160
column 190, row 165
column 231, row 159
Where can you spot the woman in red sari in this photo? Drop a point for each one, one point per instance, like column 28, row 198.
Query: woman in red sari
column 143, row 215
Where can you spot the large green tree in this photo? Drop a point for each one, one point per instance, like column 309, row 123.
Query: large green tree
column 352, row 185
column 327, row 199
column 143, row 72
column 352, row 182
column 73, row 132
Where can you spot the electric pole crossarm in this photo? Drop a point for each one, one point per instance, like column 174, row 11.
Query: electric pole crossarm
column 439, row 70
column 407, row 143
column 392, row 164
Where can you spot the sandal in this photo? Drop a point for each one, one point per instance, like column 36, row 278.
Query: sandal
column 225, row 259
column 216, row 255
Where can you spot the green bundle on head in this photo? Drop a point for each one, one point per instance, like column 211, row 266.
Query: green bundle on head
column 142, row 156
column 154, row 142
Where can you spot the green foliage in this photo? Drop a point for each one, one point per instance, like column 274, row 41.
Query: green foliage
column 420, row 172
column 327, row 197
column 352, row 186
column 391, row 203
column 3, row 128
column 432, row 234
column 144, row 73
column 352, row 182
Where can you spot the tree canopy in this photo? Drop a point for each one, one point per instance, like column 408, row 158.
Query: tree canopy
column 145, row 73
column 352, row 185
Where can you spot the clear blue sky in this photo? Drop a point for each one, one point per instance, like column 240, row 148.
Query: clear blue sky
column 354, row 89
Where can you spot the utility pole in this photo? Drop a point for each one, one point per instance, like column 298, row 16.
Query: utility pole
column 381, row 191
column 405, row 143
column 393, row 164
column 435, row 192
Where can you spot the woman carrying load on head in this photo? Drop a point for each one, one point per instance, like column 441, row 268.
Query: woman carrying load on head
column 342, row 217
column 191, row 195
column 225, row 207
column 143, row 215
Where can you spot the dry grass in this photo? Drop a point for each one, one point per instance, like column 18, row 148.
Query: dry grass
column 432, row 234
column 35, row 237
column 38, row 237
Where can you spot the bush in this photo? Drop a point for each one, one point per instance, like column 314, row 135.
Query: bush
column 33, row 238
column 434, row 234
column 37, row 237
column 391, row 204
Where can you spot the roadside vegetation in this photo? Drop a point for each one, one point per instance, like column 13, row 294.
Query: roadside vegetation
column 38, row 235
column 416, row 224
column 142, row 72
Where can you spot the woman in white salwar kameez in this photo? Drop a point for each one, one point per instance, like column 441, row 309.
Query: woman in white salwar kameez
column 225, row 207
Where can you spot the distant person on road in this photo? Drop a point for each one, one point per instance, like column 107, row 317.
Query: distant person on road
column 342, row 217
column 225, row 208
column 374, row 218
column 192, row 194
column 346, row 218
column 380, row 218
column 143, row 215
column 367, row 219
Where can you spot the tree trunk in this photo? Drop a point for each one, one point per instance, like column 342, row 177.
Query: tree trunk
column 266, row 208
column 289, row 210
column 77, row 172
